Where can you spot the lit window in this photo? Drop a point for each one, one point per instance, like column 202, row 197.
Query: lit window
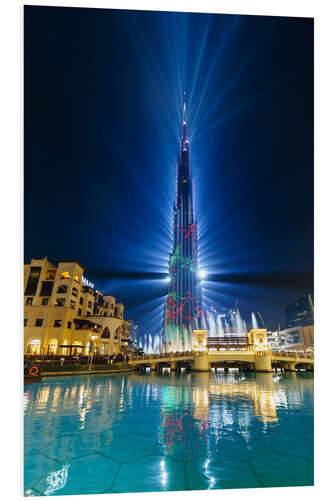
column 75, row 292
column 64, row 275
column 77, row 278
column 72, row 304
column 60, row 302
column 57, row 323
column 28, row 302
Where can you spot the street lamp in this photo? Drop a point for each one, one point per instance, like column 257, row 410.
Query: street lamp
column 91, row 354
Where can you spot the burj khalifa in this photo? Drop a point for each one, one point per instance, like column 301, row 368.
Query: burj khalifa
column 183, row 306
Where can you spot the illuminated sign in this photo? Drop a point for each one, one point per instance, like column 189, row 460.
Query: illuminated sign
column 86, row 282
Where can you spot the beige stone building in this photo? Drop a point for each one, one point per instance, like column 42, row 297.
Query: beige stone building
column 65, row 315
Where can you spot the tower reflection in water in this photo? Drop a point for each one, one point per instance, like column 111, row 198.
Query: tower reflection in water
column 201, row 420
column 189, row 415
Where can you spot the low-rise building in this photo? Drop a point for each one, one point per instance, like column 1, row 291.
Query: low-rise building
column 296, row 338
column 65, row 315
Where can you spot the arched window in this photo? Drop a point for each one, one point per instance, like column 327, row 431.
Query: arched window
column 64, row 275
column 33, row 346
column 77, row 350
column 65, row 349
column 53, row 346
column 117, row 334
column 62, row 289
column 106, row 333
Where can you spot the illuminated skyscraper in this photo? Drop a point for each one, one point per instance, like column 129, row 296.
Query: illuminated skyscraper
column 183, row 305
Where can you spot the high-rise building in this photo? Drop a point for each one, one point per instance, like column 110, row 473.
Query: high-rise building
column 300, row 312
column 183, row 304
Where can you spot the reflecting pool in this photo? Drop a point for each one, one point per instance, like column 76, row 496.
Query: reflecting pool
column 161, row 432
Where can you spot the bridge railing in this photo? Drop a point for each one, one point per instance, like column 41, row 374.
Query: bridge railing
column 170, row 355
column 230, row 348
column 293, row 355
column 163, row 355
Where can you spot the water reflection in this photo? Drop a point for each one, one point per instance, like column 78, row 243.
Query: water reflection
column 197, row 393
column 193, row 418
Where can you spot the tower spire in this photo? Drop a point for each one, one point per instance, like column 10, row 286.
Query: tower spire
column 184, row 126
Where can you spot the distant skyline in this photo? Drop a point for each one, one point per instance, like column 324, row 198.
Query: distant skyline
column 103, row 97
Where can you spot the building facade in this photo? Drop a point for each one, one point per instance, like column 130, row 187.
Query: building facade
column 183, row 304
column 65, row 315
column 300, row 312
column 296, row 338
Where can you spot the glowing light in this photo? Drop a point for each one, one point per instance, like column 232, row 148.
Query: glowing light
column 86, row 282
column 202, row 273
column 57, row 480
column 167, row 279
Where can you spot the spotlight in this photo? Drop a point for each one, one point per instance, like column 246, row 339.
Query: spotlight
column 202, row 273
column 167, row 279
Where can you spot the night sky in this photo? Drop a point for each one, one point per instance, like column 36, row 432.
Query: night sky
column 103, row 104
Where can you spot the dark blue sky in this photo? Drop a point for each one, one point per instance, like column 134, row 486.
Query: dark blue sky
column 103, row 102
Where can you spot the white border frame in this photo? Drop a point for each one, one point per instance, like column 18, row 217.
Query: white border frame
column 11, row 200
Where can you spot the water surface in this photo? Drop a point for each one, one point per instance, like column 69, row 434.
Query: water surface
column 142, row 432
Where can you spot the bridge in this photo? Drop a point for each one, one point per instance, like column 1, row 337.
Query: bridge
column 254, row 354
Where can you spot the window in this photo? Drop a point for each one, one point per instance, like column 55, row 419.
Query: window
column 72, row 304
column 28, row 302
column 77, row 278
column 60, row 302
column 62, row 289
column 33, row 280
column 106, row 333
column 88, row 313
column 81, row 301
column 45, row 302
column 25, row 321
column 89, row 303
column 79, row 312
column 46, row 289
column 39, row 322
column 64, row 275
column 75, row 292
column 69, row 324
column 50, row 275
column 57, row 323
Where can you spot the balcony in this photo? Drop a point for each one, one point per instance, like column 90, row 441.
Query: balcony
column 86, row 324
